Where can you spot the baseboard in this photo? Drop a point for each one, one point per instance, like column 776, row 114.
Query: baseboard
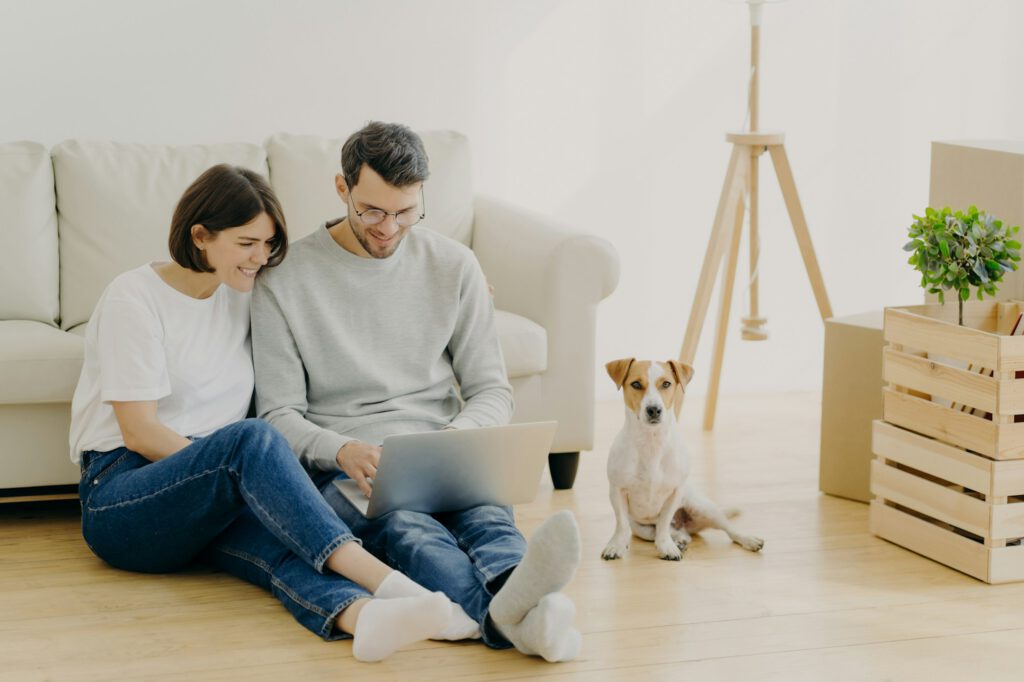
column 42, row 493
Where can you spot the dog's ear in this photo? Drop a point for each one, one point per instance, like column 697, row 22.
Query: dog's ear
column 682, row 371
column 618, row 369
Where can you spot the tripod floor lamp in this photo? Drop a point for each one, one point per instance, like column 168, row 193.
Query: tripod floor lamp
column 741, row 182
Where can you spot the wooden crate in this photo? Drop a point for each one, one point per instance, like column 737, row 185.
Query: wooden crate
column 948, row 479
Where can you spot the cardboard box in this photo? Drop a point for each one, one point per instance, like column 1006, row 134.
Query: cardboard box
column 851, row 399
column 988, row 174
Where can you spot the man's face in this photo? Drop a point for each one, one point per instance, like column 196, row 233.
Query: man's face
column 371, row 193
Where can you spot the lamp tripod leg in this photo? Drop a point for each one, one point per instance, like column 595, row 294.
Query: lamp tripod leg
column 725, row 302
column 732, row 188
column 803, row 235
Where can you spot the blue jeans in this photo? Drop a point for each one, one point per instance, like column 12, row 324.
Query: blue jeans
column 465, row 554
column 238, row 498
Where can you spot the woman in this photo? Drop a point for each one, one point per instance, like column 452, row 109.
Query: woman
column 172, row 470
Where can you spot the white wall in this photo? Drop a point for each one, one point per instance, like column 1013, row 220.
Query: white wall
column 608, row 115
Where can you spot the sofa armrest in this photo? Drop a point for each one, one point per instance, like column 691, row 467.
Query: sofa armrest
column 538, row 267
column 555, row 277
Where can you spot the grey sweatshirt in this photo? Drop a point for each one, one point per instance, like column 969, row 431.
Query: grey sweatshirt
column 350, row 348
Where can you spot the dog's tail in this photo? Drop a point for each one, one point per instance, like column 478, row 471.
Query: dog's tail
column 731, row 512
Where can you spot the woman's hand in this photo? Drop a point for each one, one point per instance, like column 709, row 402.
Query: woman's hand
column 359, row 460
column 144, row 433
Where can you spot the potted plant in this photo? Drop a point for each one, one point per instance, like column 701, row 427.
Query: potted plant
column 957, row 251
column 950, row 447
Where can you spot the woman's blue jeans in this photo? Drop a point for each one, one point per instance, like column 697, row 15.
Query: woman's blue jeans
column 465, row 554
column 237, row 498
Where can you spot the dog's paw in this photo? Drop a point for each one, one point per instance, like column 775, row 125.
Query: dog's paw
column 614, row 550
column 749, row 542
column 669, row 551
column 681, row 538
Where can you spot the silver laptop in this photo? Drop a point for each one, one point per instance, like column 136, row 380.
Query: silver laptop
column 441, row 471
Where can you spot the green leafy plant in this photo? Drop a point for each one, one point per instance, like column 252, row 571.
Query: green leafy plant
column 957, row 251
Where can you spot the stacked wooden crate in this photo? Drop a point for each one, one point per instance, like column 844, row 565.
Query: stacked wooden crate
column 948, row 477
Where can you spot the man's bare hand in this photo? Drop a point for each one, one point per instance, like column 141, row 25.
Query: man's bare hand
column 359, row 460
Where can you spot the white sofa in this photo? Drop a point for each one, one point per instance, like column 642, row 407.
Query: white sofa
column 73, row 217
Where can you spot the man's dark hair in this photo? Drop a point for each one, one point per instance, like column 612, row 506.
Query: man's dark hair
column 392, row 150
column 222, row 197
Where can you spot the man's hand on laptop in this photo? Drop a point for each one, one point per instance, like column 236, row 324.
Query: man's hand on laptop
column 359, row 460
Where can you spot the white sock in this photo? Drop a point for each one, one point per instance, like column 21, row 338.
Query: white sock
column 386, row 625
column 551, row 558
column 459, row 626
column 547, row 630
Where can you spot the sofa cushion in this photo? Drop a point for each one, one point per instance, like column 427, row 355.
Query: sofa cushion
column 524, row 344
column 302, row 170
column 38, row 363
column 29, row 277
column 115, row 203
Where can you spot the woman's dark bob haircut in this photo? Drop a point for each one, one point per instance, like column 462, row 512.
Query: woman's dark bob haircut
column 224, row 196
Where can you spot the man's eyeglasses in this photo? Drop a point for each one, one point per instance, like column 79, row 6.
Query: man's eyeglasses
column 406, row 218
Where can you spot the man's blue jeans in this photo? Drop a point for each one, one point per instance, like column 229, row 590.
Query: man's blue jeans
column 466, row 554
column 238, row 498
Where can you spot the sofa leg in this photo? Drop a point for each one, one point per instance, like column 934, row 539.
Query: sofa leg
column 563, row 467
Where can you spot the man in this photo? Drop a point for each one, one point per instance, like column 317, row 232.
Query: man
column 371, row 328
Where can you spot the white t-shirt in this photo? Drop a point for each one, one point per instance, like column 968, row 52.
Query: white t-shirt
column 148, row 341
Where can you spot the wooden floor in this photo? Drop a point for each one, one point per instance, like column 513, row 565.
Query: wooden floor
column 824, row 601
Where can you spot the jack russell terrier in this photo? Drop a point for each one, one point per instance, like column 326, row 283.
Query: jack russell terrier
column 648, row 466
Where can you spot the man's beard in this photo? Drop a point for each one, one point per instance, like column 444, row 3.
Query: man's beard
column 365, row 243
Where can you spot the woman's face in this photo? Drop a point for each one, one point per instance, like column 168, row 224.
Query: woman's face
column 236, row 254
